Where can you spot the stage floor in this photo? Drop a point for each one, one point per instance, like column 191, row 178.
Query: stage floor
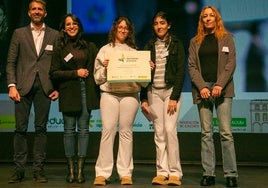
column 249, row 177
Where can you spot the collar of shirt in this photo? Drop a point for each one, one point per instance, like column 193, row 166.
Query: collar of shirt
column 38, row 36
column 166, row 42
column 40, row 30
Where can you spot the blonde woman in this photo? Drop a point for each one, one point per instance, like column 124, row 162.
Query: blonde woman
column 211, row 66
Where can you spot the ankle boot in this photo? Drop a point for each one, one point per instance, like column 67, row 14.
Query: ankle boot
column 70, row 176
column 80, row 170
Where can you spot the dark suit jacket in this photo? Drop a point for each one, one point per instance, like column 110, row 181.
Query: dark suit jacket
column 23, row 63
column 64, row 76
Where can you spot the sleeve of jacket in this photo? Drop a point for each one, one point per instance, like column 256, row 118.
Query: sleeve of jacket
column 12, row 59
column 228, row 59
column 143, row 92
column 100, row 72
column 93, row 51
column 180, row 73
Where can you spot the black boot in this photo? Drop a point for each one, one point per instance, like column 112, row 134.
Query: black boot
column 70, row 176
column 80, row 170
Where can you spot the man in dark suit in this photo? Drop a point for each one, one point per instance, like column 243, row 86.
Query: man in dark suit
column 28, row 65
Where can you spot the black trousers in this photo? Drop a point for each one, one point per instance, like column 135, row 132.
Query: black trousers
column 41, row 104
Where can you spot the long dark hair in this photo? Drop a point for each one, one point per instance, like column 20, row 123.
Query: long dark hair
column 63, row 36
column 164, row 16
column 130, row 40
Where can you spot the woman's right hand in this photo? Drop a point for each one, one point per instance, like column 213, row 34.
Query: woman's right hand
column 105, row 63
column 205, row 93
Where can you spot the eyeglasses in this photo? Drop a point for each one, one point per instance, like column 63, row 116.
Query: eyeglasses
column 121, row 28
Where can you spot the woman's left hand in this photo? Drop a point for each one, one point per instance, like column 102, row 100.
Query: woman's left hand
column 216, row 91
column 82, row 73
column 172, row 107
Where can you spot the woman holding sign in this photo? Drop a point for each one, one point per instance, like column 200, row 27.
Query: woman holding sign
column 119, row 105
column 162, row 99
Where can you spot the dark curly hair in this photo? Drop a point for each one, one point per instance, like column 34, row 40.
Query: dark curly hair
column 130, row 40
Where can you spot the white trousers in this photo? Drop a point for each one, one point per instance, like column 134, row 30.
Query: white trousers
column 165, row 133
column 117, row 110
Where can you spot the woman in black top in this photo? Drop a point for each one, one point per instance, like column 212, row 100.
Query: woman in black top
column 72, row 72
column 212, row 62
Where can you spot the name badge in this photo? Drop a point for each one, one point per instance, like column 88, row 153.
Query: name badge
column 225, row 49
column 49, row 47
column 68, row 57
column 164, row 54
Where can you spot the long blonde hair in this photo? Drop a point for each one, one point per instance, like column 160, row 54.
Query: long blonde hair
column 220, row 30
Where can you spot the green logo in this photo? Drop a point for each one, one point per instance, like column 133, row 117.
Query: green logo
column 236, row 122
column 7, row 121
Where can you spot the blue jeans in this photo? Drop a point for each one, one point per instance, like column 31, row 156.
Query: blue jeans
column 223, row 108
column 82, row 120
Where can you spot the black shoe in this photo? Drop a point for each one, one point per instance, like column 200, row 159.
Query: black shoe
column 16, row 177
column 207, row 181
column 231, row 182
column 40, row 178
